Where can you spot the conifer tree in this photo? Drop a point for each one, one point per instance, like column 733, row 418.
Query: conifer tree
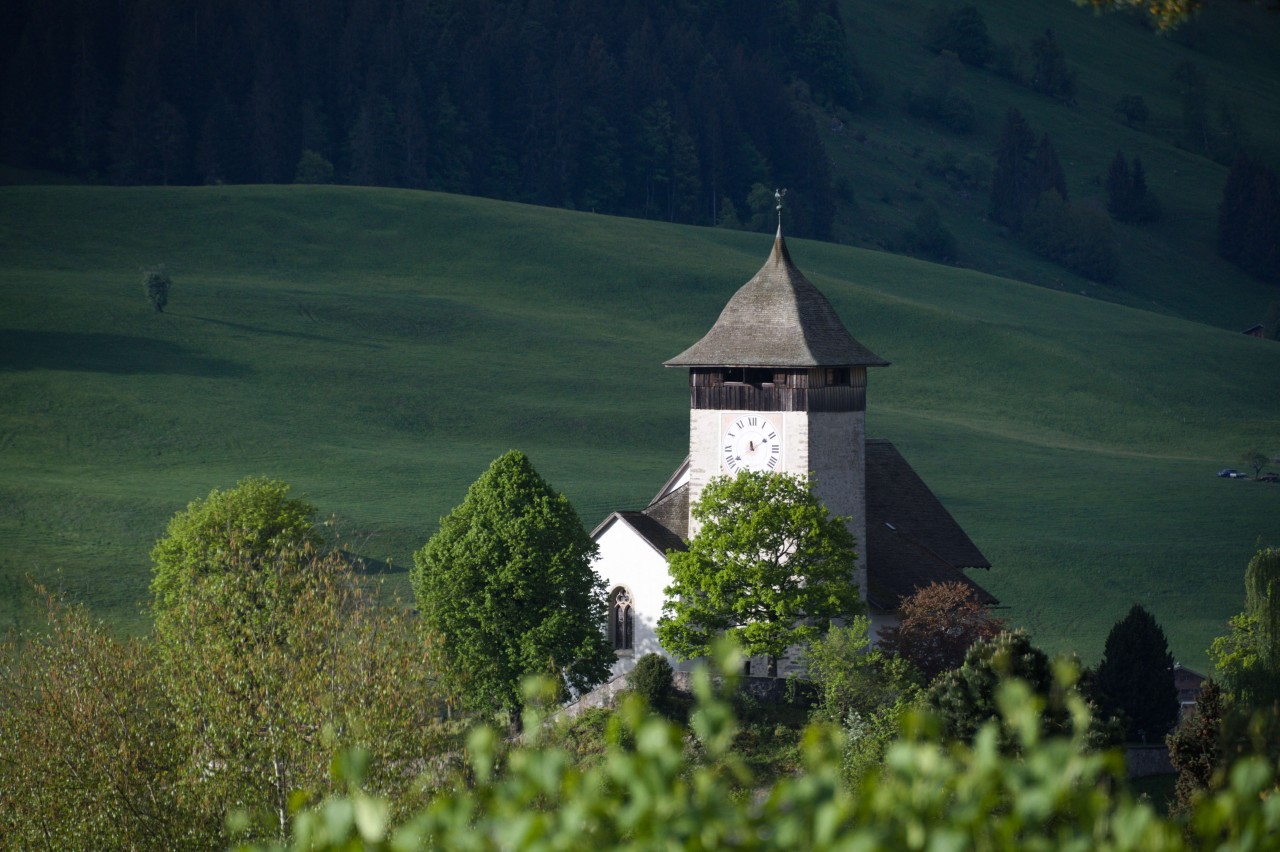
column 1048, row 171
column 1119, row 186
column 1050, row 75
column 1136, row 676
column 1012, row 189
column 1249, row 219
column 1145, row 206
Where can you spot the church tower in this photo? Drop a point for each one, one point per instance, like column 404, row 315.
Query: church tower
column 779, row 384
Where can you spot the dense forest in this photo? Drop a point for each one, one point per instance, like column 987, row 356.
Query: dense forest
column 668, row 109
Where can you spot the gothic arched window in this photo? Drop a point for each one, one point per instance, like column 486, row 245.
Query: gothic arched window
column 622, row 620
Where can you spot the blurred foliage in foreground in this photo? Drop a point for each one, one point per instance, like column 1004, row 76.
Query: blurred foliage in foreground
column 649, row 792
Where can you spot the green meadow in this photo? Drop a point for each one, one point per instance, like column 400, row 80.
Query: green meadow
column 377, row 348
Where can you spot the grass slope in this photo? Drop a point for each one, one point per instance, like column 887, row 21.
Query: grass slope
column 377, row 348
column 1170, row 266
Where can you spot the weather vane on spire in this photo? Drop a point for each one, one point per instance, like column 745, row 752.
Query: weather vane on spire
column 777, row 196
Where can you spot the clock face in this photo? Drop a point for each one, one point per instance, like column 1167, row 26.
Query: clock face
column 750, row 441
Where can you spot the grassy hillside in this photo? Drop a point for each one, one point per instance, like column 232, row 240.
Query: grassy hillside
column 1170, row 266
column 378, row 348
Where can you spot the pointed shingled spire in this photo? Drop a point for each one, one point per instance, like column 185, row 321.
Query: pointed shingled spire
column 778, row 319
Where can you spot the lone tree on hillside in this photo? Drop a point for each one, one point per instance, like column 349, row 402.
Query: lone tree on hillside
column 157, row 281
column 1136, row 676
column 769, row 566
column 508, row 582
column 938, row 625
column 1256, row 459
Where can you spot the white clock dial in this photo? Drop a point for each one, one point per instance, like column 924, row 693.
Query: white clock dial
column 750, row 441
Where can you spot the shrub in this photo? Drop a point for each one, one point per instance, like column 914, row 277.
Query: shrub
column 929, row 238
column 937, row 96
column 313, row 168
column 1079, row 238
column 651, row 679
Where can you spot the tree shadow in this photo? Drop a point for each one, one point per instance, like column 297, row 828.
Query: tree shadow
column 253, row 329
column 108, row 353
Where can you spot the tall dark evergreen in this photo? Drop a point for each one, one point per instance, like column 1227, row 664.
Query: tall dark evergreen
column 962, row 31
column 1050, row 74
column 1128, row 198
column 1249, row 218
column 1135, row 676
column 1119, row 186
column 1047, row 173
column 1013, row 190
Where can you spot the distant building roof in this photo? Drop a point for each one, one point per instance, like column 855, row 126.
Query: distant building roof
column 912, row 540
column 778, row 319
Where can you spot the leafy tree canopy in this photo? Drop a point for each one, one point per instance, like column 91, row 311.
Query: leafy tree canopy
column 508, row 582
column 769, row 566
column 965, row 699
column 253, row 519
column 1135, row 676
column 1247, row 659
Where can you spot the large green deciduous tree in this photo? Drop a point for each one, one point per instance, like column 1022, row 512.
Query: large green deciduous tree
column 257, row 517
column 1248, row 658
column 769, row 566
column 508, row 582
column 273, row 665
column 1136, row 676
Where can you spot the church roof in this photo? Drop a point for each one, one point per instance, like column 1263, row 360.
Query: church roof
column 778, row 319
column 912, row 540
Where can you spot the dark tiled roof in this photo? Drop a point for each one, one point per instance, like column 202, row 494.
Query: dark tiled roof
column 653, row 531
column 778, row 319
column 671, row 510
column 912, row 540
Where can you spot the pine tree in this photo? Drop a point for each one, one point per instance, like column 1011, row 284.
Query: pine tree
column 1047, row 174
column 1249, row 218
column 1012, row 190
column 1136, row 676
column 1051, row 76
column 1119, row 186
column 1145, row 207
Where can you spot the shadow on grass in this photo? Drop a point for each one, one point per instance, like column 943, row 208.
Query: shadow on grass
column 255, row 329
column 108, row 353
